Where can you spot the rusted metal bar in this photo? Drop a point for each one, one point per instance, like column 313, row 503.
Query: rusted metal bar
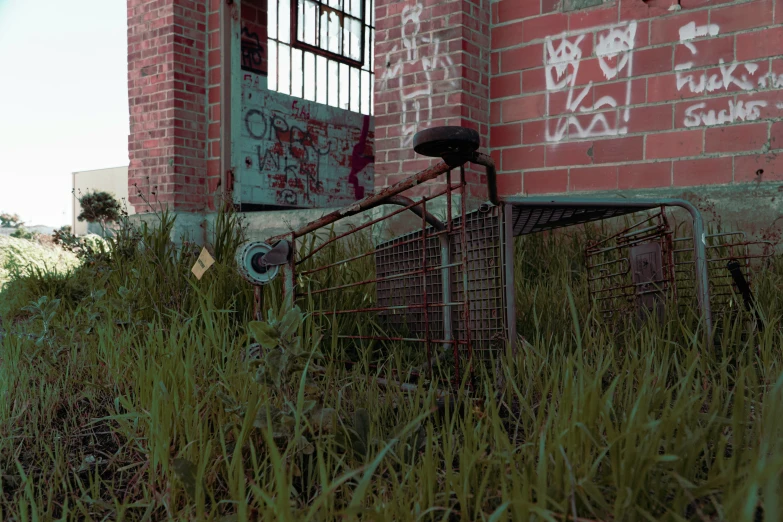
column 420, row 209
column 402, row 275
column 369, row 202
column 510, row 287
column 289, row 275
column 365, row 254
column 354, row 230
column 465, row 282
column 425, row 291
column 446, row 264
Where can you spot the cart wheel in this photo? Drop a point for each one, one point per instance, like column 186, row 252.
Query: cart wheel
column 455, row 145
column 247, row 256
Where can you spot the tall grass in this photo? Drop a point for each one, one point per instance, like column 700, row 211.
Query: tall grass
column 129, row 394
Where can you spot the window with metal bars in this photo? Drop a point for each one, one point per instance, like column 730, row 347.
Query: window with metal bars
column 322, row 51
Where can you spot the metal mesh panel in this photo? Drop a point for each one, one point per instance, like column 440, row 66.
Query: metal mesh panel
column 721, row 249
column 530, row 219
column 484, row 280
column 401, row 256
column 631, row 271
column 481, row 271
column 613, row 270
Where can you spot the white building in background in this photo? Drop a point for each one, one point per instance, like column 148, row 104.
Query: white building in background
column 113, row 181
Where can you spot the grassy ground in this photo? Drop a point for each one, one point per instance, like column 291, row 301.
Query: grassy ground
column 16, row 254
column 129, row 394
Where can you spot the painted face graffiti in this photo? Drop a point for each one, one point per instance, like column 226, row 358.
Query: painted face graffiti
column 614, row 52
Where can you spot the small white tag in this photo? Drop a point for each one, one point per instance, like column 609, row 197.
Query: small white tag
column 203, row 263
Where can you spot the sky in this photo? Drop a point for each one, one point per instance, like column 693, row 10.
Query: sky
column 63, row 101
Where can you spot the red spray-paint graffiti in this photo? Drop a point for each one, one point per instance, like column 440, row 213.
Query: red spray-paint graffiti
column 301, row 154
column 360, row 159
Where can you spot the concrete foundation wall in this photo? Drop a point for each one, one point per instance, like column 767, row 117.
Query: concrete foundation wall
column 754, row 209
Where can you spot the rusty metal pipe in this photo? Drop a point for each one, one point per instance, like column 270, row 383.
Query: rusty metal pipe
column 405, row 201
column 492, row 185
column 369, row 202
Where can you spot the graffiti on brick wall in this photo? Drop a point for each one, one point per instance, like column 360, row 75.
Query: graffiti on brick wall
column 573, row 110
column 736, row 111
column 290, row 153
column 300, row 154
column 771, row 81
column 253, row 52
column 729, row 77
column 563, row 57
column 424, row 50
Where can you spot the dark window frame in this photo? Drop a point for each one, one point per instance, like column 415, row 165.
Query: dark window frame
column 325, row 77
column 317, row 49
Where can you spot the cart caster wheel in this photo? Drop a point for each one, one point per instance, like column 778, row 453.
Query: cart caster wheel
column 455, row 145
column 246, row 258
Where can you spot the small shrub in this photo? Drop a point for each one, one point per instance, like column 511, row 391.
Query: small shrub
column 23, row 233
column 8, row 220
column 99, row 207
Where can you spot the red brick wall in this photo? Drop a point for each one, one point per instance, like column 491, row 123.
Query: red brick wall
column 635, row 94
column 432, row 69
column 167, row 63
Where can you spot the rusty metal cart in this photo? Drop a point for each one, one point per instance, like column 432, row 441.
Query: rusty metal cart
column 446, row 283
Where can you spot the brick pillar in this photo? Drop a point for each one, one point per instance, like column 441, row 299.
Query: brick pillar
column 167, row 90
column 214, row 168
column 432, row 69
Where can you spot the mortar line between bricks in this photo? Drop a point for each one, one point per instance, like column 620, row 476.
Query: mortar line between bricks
column 704, row 140
column 733, row 169
column 711, row 155
column 604, row 27
column 636, row 134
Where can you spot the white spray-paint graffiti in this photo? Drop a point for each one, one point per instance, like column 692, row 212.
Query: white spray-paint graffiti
column 717, row 81
column 703, row 81
column 690, row 32
column 741, row 76
column 417, row 104
column 614, row 52
column 695, row 115
column 771, row 81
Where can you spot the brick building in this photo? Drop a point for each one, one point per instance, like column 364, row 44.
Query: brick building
column 281, row 104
